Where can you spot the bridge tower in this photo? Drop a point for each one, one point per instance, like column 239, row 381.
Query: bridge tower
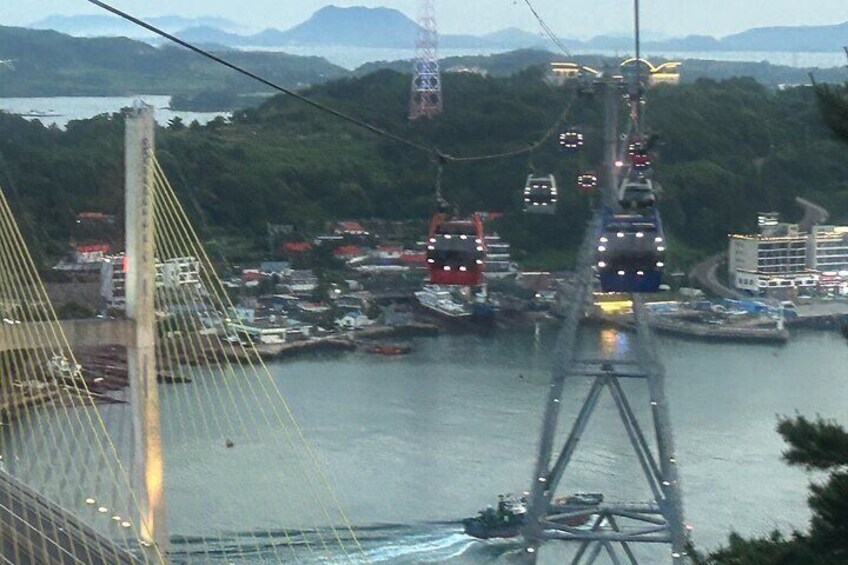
column 148, row 466
column 425, row 98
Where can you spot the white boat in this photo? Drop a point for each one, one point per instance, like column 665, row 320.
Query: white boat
column 441, row 301
column 62, row 369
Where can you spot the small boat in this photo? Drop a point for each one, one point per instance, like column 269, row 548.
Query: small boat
column 585, row 502
column 389, row 349
column 506, row 520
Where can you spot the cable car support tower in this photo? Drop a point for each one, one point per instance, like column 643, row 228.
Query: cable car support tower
column 615, row 528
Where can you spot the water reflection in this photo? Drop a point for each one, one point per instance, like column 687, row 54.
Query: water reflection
column 614, row 342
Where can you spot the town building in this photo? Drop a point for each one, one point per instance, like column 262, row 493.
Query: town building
column 783, row 258
column 498, row 261
column 827, row 249
column 178, row 272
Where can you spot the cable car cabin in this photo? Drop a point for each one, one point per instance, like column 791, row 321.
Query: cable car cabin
column 631, row 252
column 540, row 195
column 587, row 182
column 634, row 144
column 456, row 250
column 636, row 191
column 641, row 160
column 571, row 140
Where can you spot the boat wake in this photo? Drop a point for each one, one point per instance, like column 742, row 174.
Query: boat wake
column 396, row 544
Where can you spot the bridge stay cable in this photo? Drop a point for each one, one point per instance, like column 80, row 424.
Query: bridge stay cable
column 244, row 379
column 195, row 356
column 49, row 452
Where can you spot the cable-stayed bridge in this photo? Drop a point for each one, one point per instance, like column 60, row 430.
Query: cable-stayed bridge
column 84, row 475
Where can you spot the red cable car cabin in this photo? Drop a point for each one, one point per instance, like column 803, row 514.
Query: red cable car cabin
column 455, row 251
column 641, row 160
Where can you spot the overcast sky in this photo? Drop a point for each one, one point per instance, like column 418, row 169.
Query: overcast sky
column 569, row 18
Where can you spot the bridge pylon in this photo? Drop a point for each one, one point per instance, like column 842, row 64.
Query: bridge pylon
column 148, row 463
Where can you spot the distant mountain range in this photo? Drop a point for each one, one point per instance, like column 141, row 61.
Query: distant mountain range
column 388, row 28
column 48, row 63
column 112, row 26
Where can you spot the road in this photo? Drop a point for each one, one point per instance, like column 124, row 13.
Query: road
column 813, row 214
column 705, row 274
column 35, row 531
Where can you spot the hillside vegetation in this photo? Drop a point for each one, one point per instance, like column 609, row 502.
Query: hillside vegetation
column 48, row 63
column 727, row 150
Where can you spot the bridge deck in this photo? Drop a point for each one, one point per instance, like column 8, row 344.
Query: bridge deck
column 36, row 531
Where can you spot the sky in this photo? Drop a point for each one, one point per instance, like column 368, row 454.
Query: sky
column 569, row 18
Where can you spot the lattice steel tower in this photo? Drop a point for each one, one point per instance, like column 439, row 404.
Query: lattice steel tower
column 426, row 94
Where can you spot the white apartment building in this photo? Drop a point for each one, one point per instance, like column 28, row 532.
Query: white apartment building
column 170, row 274
column 775, row 258
column 780, row 256
column 827, row 249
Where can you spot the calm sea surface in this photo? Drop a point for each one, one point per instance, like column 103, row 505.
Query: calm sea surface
column 59, row 110
column 413, row 444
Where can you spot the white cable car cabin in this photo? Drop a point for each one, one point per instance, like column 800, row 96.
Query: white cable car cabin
column 636, row 191
column 540, row 195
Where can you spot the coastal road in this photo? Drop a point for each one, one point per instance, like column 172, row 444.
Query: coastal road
column 705, row 274
column 36, row 531
column 813, row 214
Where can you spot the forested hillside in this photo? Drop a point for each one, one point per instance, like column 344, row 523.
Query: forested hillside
column 727, row 150
column 48, row 63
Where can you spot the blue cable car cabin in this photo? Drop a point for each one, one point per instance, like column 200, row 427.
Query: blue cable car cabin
column 631, row 252
column 540, row 195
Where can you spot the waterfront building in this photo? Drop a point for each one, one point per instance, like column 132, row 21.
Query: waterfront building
column 498, row 258
column 172, row 273
column 827, row 249
column 353, row 321
column 113, row 282
column 775, row 258
column 782, row 257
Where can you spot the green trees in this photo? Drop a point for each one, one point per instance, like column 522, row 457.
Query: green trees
column 726, row 151
column 817, row 445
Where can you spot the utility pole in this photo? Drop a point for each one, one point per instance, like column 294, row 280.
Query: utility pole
column 425, row 99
